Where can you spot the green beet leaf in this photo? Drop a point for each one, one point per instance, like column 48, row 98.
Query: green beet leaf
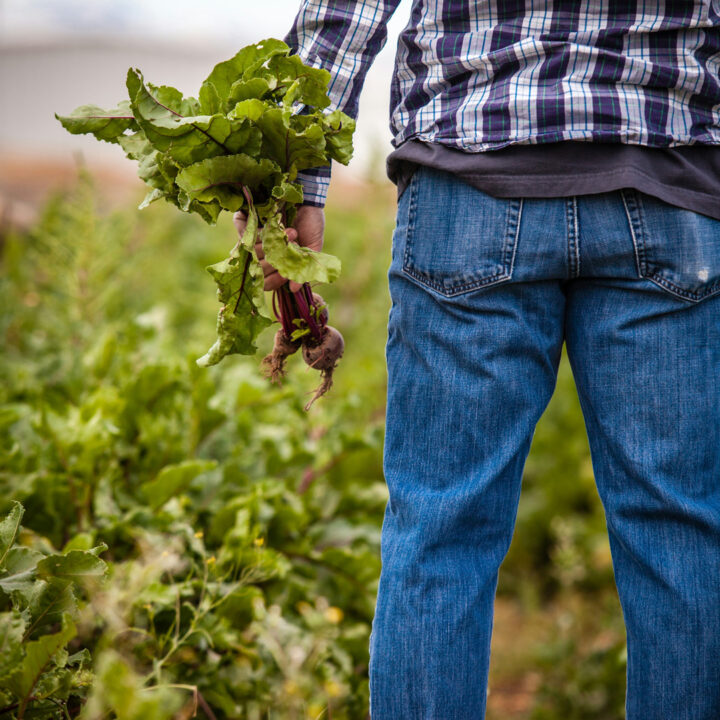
column 159, row 112
column 251, row 109
column 12, row 632
column 247, row 241
column 243, row 66
column 296, row 82
column 339, row 129
column 243, row 315
column 40, row 656
column 9, row 528
column 172, row 480
column 292, row 149
column 17, row 572
column 108, row 125
column 295, row 262
column 75, row 565
column 223, row 178
column 255, row 88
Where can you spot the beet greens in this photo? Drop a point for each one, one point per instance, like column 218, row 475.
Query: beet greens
column 258, row 120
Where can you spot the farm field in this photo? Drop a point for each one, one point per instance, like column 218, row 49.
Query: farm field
column 182, row 542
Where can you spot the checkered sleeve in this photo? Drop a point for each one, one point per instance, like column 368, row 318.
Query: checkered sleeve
column 344, row 37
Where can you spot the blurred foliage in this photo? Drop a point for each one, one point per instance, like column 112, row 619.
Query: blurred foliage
column 228, row 542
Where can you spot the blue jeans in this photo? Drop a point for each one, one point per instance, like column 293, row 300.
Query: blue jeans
column 484, row 293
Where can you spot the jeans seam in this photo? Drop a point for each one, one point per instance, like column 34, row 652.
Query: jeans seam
column 411, row 219
column 571, row 224
column 634, row 233
column 512, row 235
column 509, row 247
column 641, row 257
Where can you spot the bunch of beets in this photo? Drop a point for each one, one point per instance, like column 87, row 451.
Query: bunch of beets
column 257, row 121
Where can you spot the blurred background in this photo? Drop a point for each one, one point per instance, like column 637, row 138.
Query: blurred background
column 242, row 533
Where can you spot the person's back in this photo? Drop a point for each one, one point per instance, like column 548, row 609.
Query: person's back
column 543, row 152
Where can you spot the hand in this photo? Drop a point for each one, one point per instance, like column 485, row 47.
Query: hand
column 307, row 231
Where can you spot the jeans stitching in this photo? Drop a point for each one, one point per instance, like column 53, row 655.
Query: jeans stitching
column 577, row 236
column 571, row 226
column 411, row 218
column 642, row 258
column 628, row 200
column 515, row 209
column 509, row 246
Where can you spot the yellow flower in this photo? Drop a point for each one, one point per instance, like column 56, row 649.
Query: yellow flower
column 211, row 560
column 333, row 689
column 334, row 614
column 259, row 541
column 199, row 534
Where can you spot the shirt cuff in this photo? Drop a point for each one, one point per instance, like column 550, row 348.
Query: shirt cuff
column 315, row 183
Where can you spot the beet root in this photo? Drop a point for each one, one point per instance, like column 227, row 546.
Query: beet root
column 274, row 362
column 323, row 356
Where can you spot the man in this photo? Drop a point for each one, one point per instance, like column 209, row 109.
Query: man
column 558, row 168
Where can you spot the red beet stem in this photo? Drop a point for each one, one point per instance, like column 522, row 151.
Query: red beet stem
column 286, row 314
column 304, row 310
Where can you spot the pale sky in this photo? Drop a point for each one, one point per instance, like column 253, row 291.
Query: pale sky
column 37, row 18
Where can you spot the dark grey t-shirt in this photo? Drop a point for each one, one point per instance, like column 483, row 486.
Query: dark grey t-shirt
column 687, row 176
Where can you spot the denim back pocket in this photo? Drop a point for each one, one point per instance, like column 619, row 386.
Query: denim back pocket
column 458, row 238
column 677, row 249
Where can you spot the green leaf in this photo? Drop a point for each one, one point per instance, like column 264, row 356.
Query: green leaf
column 172, row 480
column 339, row 129
column 46, row 601
column 250, row 109
column 119, row 692
column 161, row 113
column 246, row 89
column 291, row 147
column 242, row 317
column 222, row 178
column 9, row 528
column 39, row 655
column 243, row 65
column 295, row 262
column 18, row 571
column 12, row 632
column 75, row 565
column 108, row 125
column 154, row 168
column 244, row 137
column 297, row 82
column 289, row 193
column 210, row 100
column 248, row 240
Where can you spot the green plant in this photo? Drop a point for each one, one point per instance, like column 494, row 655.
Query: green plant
column 40, row 591
column 242, row 534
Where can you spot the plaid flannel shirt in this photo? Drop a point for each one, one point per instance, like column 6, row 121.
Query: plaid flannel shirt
column 481, row 75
